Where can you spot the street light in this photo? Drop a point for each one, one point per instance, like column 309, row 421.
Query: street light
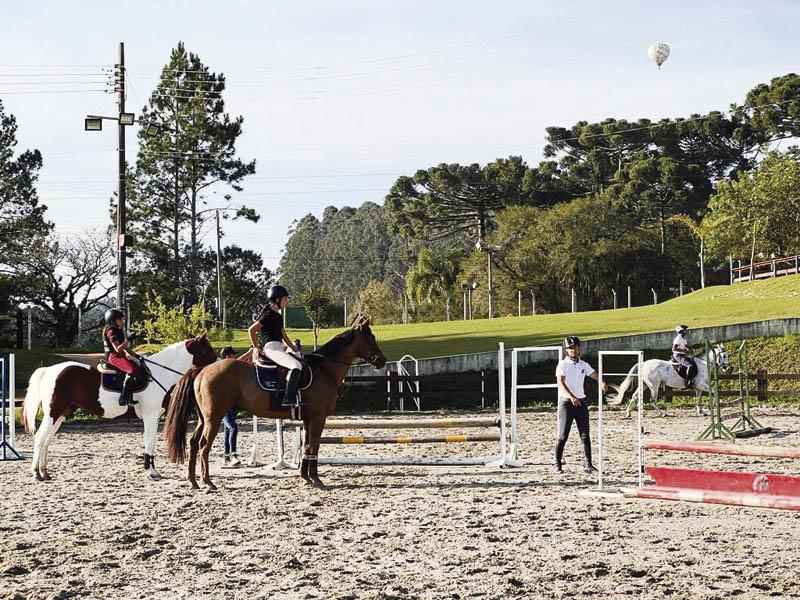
column 93, row 123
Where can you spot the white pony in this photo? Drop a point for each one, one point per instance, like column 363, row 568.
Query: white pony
column 655, row 372
column 58, row 388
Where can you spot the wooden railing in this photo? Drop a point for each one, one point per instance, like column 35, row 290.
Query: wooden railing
column 761, row 393
column 774, row 267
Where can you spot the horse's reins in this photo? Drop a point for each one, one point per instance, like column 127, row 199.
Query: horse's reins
column 150, row 373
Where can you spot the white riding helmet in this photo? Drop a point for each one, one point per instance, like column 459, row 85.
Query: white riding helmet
column 681, row 328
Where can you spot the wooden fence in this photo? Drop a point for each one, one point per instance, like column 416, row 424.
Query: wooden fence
column 774, row 267
column 762, row 391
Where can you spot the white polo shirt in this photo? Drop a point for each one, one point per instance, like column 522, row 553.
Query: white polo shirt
column 681, row 342
column 574, row 374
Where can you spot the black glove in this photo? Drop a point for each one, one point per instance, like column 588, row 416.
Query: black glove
column 132, row 338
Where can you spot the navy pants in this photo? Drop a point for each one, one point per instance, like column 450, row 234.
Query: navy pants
column 231, row 430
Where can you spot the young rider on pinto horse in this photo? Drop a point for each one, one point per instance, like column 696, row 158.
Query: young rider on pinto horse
column 680, row 352
column 118, row 352
column 273, row 336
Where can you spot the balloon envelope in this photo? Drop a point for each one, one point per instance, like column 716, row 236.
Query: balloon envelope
column 658, row 52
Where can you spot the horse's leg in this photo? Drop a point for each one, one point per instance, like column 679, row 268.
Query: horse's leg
column 634, row 397
column 310, row 456
column 210, row 429
column 150, row 433
column 194, row 445
column 38, row 438
column 50, row 433
column 654, row 399
column 698, row 402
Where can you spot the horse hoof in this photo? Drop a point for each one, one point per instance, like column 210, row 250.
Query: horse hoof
column 194, row 485
column 154, row 476
column 317, row 484
column 38, row 476
column 46, row 477
column 211, row 488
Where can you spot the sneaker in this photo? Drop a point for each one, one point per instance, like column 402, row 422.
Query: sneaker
column 234, row 460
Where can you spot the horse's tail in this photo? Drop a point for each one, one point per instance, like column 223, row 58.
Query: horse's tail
column 620, row 395
column 177, row 420
column 33, row 399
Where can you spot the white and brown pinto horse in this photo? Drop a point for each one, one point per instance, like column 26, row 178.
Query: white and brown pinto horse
column 59, row 388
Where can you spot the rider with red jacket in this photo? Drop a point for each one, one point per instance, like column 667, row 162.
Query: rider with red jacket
column 118, row 353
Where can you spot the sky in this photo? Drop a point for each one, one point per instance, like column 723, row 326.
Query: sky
column 341, row 98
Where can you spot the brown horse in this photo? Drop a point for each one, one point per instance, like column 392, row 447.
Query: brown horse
column 59, row 388
column 232, row 383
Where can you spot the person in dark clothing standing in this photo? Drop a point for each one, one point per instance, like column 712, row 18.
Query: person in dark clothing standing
column 570, row 374
column 273, row 338
column 230, row 458
column 118, row 352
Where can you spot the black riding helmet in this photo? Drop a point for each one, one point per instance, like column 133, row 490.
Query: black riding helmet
column 226, row 352
column 112, row 314
column 572, row 340
column 276, row 292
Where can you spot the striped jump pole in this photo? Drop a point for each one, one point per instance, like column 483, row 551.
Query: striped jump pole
column 759, row 490
column 507, row 443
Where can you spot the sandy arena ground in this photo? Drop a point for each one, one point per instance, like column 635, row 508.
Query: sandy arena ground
column 101, row 529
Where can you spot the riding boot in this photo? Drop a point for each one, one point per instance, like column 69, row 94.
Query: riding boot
column 292, row 383
column 691, row 373
column 587, row 454
column 559, row 456
column 126, row 396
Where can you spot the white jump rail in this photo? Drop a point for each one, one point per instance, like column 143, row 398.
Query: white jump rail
column 640, row 404
column 503, row 459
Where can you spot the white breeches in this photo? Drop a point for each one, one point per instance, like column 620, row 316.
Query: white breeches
column 276, row 353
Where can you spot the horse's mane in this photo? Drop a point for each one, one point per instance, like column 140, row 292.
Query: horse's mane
column 334, row 345
column 168, row 354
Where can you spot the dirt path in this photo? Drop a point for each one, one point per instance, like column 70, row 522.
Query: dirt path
column 99, row 529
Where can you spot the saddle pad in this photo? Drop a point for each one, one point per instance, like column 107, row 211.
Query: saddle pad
column 268, row 377
column 113, row 382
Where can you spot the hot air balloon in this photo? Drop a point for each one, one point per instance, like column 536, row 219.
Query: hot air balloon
column 658, row 52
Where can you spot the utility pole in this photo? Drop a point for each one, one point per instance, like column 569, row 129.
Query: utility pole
column 219, row 274
column 121, row 237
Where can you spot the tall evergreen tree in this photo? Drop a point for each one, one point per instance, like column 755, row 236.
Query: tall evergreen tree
column 22, row 221
column 187, row 157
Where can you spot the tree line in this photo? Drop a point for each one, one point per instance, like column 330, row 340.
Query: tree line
column 612, row 204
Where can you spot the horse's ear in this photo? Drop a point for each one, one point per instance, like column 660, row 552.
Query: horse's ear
column 368, row 320
column 202, row 336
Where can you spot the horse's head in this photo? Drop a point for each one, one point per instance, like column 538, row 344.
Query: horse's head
column 367, row 347
column 721, row 358
column 200, row 349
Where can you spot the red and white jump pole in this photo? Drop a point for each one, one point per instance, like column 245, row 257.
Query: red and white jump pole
column 760, row 490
